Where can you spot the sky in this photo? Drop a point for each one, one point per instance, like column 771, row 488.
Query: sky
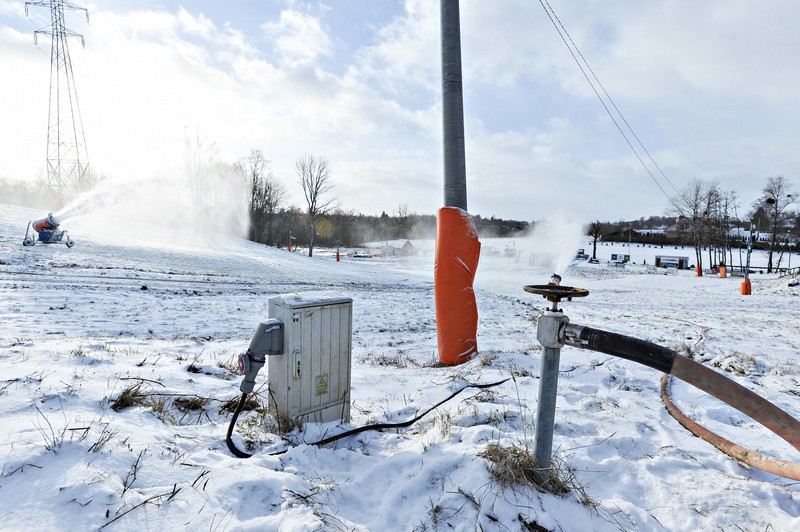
column 709, row 89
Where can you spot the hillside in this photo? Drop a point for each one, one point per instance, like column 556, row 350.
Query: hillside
column 161, row 315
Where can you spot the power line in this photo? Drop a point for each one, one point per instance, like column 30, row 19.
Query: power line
column 573, row 50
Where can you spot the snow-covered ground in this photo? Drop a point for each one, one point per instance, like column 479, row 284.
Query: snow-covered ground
column 165, row 314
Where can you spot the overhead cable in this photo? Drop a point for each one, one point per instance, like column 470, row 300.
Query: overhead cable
column 583, row 65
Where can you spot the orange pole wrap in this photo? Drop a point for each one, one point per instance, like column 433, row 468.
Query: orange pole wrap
column 457, row 254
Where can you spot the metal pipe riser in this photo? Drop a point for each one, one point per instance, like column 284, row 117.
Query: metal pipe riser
column 546, row 411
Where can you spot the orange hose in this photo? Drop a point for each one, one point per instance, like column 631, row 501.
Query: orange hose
column 747, row 456
column 739, row 397
column 457, row 254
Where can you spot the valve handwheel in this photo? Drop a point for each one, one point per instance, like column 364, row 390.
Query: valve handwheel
column 556, row 293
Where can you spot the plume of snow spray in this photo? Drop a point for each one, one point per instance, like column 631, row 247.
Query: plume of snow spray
column 103, row 196
column 548, row 249
column 205, row 197
column 554, row 241
column 170, row 200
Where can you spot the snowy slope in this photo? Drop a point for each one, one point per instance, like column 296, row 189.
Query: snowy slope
column 165, row 313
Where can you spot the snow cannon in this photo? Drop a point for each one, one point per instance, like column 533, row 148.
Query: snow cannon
column 47, row 232
column 49, row 222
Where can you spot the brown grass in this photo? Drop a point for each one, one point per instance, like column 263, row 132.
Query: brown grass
column 130, row 396
column 515, row 465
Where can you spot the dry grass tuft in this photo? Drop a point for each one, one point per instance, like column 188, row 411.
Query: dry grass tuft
column 130, row 396
column 251, row 403
column 191, row 404
column 515, row 465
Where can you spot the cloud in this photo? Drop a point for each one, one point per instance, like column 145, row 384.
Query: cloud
column 298, row 37
column 707, row 87
column 405, row 57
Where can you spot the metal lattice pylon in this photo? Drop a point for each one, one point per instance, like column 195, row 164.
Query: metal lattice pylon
column 67, row 159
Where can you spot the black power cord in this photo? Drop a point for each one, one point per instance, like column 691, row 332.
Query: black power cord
column 231, row 446
column 374, row 426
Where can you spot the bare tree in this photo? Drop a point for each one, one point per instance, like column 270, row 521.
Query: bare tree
column 200, row 156
column 266, row 196
column 713, row 222
column 777, row 197
column 216, row 189
column 596, row 230
column 402, row 221
column 729, row 209
column 699, row 203
column 314, row 176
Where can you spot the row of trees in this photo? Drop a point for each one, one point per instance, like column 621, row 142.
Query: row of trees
column 702, row 214
column 708, row 218
column 213, row 195
column 323, row 221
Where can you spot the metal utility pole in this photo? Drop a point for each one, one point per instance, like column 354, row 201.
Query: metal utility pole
column 67, row 160
column 457, row 245
column 455, row 172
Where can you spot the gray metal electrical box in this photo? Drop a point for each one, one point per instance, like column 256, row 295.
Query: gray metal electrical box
column 310, row 381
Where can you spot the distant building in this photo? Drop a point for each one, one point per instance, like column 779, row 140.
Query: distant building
column 393, row 248
column 681, row 228
column 660, row 230
column 407, row 249
column 672, row 261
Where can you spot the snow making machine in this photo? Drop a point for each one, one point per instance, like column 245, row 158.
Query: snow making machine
column 46, row 231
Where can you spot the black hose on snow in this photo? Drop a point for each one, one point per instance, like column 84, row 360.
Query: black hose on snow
column 618, row 345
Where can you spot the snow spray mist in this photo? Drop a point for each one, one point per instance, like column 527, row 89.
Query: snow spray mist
column 553, row 242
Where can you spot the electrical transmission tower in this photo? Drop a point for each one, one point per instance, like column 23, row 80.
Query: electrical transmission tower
column 67, row 160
